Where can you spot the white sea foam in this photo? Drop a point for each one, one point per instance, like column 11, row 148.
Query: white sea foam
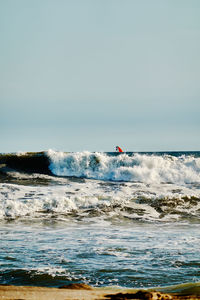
column 146, row 187
column 135, row 168
column 129, row 200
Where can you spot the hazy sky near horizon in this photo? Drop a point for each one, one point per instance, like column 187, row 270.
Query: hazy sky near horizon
column 91, row 74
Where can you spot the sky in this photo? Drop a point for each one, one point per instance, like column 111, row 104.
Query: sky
column 80, row 75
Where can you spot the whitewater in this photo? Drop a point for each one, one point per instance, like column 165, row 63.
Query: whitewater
column 136, row 167
column 129, row 219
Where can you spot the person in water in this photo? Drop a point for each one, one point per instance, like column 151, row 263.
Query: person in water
column 118, row 149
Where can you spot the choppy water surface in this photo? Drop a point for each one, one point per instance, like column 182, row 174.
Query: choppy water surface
column 130, row 220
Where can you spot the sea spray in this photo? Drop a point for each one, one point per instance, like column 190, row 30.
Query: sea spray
column 134, row 168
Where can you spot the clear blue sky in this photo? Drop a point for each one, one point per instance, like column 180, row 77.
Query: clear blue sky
column 91, row 74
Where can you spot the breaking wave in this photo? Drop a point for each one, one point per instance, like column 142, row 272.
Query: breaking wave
column 81, row 185
column 126, row 167
column 133, row 167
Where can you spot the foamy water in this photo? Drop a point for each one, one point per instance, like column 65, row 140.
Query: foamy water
column 100, row 218
column 124, row 167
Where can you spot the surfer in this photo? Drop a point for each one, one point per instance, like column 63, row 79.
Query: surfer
column 118, row 149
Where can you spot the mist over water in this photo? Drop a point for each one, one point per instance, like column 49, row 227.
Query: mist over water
column 99, row 218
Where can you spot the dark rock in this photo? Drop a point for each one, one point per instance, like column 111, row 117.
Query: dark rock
column 76, row 286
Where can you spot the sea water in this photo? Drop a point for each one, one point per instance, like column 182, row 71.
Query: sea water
column 105, row 219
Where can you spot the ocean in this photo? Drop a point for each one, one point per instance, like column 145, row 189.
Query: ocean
column 105, row 219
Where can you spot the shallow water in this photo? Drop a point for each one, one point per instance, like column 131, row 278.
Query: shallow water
column 130, row 220
column 132, row 255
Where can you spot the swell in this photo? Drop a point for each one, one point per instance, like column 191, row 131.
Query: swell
column 32, row 278
column 29, row 162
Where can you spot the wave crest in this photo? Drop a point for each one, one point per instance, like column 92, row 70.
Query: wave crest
column 135, row 168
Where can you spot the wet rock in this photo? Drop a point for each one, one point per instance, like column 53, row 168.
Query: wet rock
column 76, row 286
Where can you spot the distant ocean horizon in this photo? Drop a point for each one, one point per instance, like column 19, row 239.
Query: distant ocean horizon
column 127, row 219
